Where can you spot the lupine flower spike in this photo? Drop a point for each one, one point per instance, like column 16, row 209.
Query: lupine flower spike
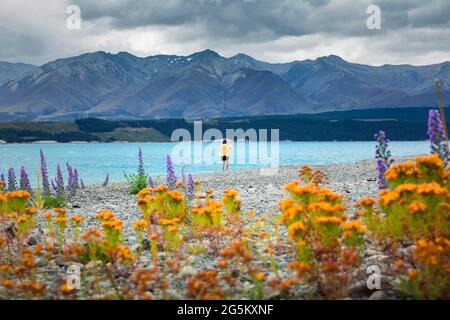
column 106, row 182
column 141, row 170
column 59, row 182
column 12, row 182
column 190, row 189
column 436, row 136
column 44, row 175
column 151, row 184
column 383, row 158
column 171, row 179
column 24, row 181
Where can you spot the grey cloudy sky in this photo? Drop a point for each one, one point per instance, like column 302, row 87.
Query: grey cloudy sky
column 413, row 31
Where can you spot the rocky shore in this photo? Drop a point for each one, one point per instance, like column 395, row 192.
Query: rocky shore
column 257, row 191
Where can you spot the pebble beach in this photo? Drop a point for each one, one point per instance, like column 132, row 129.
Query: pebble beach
column 257, row 192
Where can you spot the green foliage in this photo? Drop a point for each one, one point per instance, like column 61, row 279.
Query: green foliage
column 136, row 182
column 51, row 201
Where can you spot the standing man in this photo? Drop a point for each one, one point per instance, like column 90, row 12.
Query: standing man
column 225, row 149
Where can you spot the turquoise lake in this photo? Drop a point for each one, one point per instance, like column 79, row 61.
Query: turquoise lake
column 94, row 161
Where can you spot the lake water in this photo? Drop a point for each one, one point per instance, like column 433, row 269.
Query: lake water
column 94, row 161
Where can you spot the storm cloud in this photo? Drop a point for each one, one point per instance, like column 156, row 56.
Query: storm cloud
column 412, row 31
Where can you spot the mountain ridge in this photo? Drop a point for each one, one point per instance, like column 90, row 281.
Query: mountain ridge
column 206, row 84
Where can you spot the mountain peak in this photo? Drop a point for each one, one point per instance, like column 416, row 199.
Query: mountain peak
column 206, row 53
column 331, row 58
column 242, row 56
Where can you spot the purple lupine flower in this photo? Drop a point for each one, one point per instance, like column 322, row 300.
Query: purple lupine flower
column 82, row 186
column 106, row 182
column 59, row 182
column 190, row 188
column 75, row 179
column 55, row 188
column 69, row 174
column 150, row 183
column 44, row 175
column 170, row 179
column 2, row 177
column 140, row 170
column 72, row 184
column 24, row 181
column 383, row 158
column 12, row 182
column 435, row 131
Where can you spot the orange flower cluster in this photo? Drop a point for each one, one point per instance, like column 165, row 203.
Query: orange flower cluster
column 109, row 222
column 77, row 219
column 433, row 253
column 161, row 202
column 295, row 230
column 238, row 250
column 431, row 277
column 207, row 215
column 367, row 202
column 307, row 174
column 405, row 171
column 418, row 203
column 425, row 169
column 143, row 279
column 140, row 224
column 204, row 286
column 325, row 242
column 14, row 201
column 231, row 204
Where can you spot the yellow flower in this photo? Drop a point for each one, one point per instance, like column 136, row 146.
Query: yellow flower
column 285, row 204
column 77, row 219
column 230, row 193
column 31, row 211
column 365, row 202
column 144, row 192
column 222, row 264
column 172, row 229
column 260, row 276
column 140, row 224
column 168, row 222
column 60, row 211
column 175, row 196
column 430, row 161
column 295, row 229
column 47, row 215
column 161, row 189
column 412, row 273
column 354, row 225
column 431, row 189
column 19, row 194
column 61, row 221
column 327, row 220
column 417, row 207
column 405, row 169
column 104, row 215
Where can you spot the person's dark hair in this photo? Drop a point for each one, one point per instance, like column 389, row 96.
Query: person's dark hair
column 224, row 141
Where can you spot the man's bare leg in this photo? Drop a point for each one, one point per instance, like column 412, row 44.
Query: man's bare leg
column 227, row 165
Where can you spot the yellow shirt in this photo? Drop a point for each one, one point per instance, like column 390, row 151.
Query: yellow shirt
column 224, row 149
